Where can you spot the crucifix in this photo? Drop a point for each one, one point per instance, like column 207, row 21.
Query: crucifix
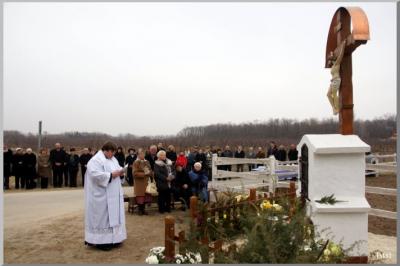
column 349, row 29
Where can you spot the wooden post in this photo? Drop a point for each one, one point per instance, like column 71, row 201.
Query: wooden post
column 169, row 237
column 214, row 168
column 253, row 194
column 193, row 207
column 292, row 197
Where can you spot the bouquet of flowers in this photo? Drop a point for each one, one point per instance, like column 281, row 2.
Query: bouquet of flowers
column 156, row 256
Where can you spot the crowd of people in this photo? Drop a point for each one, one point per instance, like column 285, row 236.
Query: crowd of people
column 176, row 174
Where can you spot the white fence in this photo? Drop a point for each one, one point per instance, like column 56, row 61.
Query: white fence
column 239, row 181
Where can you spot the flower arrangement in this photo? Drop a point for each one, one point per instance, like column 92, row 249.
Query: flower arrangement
column 156, row 256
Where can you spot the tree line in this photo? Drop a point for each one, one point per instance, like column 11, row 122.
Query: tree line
column 379, row 131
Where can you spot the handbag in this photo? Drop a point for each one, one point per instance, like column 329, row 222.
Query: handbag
column 151, row 188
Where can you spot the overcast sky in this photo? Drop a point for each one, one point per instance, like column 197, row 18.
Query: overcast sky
column 154, row 68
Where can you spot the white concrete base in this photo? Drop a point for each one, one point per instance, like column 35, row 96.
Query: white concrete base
column 346, row 228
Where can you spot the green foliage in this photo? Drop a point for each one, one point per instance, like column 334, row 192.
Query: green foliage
column 266, row 234
column 329, row 200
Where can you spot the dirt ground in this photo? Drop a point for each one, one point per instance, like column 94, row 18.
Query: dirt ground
column 378, row 225
column 61, row 240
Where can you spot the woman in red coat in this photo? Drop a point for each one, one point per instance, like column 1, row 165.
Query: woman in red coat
column 181, row 160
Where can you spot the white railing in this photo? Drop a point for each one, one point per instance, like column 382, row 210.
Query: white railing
column 223, row 180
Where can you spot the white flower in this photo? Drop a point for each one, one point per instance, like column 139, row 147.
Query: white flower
column 307, row 248
column 157, row 250
column 152, row 259
column 192, row 261
column 178, row 261
column 198, row 257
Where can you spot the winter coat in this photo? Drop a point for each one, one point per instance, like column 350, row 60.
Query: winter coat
column 8, row 159
column 293, row 155
column 227, row 154
column 18, row 164
column 260, row 155
column 73, row 162
column 141, row 178
column 151, row 159
column 44, row 166
column 162, row 169
column 272, row 151
column 182, row 161
column 239, row 154
column 84, row 159
column 201, row 158
column 171, row 155
column 120, row 156
column 281, row 155
column 30, row 164
column 58, row 157
column 199, row 182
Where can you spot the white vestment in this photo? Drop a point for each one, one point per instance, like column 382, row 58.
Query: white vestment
column 104, row 202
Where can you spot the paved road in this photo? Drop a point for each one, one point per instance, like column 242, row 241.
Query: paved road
column 32, row 206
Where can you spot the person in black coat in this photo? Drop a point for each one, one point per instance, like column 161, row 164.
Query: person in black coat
column 272, row 149
column 293, row 154
column 239, row 153
column 65, row 168
column 281, row 154
column 171, row 154
column 201, row 158
column 120, row 156
column 29, row 168
column 8, row 158
column 227, row 153
column 130, row 159
column 83, row 160
column 58, row 159
column 73, row 167
column 18, row 168
column 151, row 156
column 163, row 175
column 182, row 188
column 7, row 170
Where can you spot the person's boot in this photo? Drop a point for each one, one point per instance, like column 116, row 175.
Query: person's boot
column 141, row 209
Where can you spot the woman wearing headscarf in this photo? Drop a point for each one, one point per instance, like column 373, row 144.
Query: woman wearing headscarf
column 141, row 172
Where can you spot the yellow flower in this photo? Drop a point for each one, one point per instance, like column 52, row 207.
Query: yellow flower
column 335, row 249
column 265, row 205
column 225, row 216
column 327, row 252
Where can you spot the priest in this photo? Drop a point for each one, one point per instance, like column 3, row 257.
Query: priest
column 104, row 202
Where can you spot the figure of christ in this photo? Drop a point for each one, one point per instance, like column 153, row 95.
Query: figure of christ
column 333, row 91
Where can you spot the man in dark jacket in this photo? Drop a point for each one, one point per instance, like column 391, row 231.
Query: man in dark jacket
column 65, row 168
column 8, row 158
column 83, row 160
column 151, row 156
column 18, row 168
column 73, row 167
column 57, row 159
column 181, row 186
column 192, row 158
column 30, row 168
column 239, row 153
column 130, row 159
column 227, row 153
column 281, row 153
column 293, row 153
